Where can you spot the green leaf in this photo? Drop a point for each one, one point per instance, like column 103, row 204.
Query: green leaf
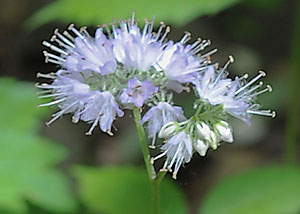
column 270, row 190
column 94, row 12
column 18, row 109
column 27, row 160
column 115, row 189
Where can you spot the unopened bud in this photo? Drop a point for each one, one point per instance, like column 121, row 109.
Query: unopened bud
column 200, row 147
column 224, row 131
column 168, row 129
column 213, row 141
column 203, row 130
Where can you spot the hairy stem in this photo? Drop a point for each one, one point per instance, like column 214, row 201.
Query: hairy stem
column 143, row 143
column 155, row 179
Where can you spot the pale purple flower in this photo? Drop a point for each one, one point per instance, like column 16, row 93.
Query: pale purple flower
column 179, row 61
column 82, row 51
column 159, row 115
column 212, row 86
column 102, row 109
column 237, row 97
column 67, row 91
column 73, row 96
column 137, row 92
column 179, row 150
column 243, row 95
column 135, row 48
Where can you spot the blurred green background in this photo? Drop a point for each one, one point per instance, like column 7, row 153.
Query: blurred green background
column 59, row 170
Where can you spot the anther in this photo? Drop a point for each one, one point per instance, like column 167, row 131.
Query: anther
column 152, row 147
column 53, row 37
column 245, row 76
column 82, row 29
column 174, row 176
column 269, row 88
column 263, row 74
column 132, row 17
column 186, row 37
column 152, row 160
column 231, row 58
column 71, row 26
column 110, row 133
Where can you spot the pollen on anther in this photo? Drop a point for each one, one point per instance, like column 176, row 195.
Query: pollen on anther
column 269, row 88
column 263, row 73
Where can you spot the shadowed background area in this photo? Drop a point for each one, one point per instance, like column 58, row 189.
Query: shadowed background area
column 58, row 169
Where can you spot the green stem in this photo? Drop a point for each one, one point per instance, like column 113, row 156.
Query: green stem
column 292, row 127
column 156, row 191
column 155, row 179
column 143, row 143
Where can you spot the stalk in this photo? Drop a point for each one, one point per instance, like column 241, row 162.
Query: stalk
column 155, row 179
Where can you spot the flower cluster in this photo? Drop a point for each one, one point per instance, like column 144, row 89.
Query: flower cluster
column 123, row 66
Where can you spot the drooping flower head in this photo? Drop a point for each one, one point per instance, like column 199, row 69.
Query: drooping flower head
column 178, row 150
column 237, row 96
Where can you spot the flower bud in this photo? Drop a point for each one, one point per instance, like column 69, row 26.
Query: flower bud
column 224, row 131
column 203, row 130
column 213, row 141
column 168, row 129
column 200, row 147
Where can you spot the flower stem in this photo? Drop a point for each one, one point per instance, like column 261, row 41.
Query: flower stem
column 292, row 134
column 143, row 143
column 155, row 179
column 156, row 191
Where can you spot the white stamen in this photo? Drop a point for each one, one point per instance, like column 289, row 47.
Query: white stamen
column 177, row 166
column 151, row 25
column 230, row 60
column 54, row 48
column 51, row 95
column 75, row 31
column 64, row 39
column 262, row 112
column 52, row 103
column 132, row 18
column 267, row 89
column 145, row 29
column 186, row 37
column 60, row 113
column 168, row 29
column 60, row 43
column 209, row 53
column 49, row 76
column 69, row 36
column 46, row 54
column 252, row 89
column 175, row 157
column 161, row 27
column 245, row 76
column 261, row 74
column 196, row 43
column 53, row 61
column 93, row 126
